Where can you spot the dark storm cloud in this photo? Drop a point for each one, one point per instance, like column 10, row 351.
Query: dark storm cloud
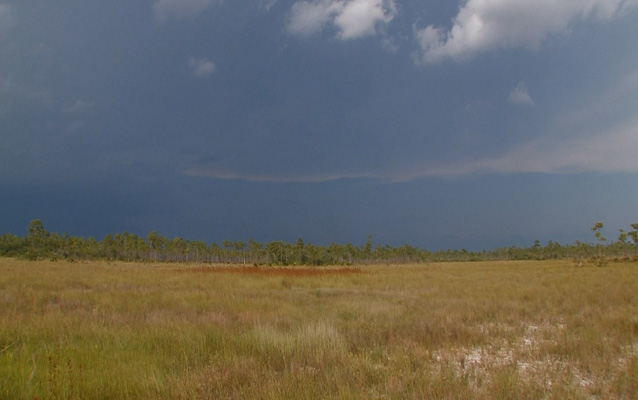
column 326, row 119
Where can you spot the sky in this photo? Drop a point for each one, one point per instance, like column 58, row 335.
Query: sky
column 444, row 124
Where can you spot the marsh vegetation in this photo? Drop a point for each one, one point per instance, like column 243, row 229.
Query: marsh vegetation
column 42, row 244
column 481, row 330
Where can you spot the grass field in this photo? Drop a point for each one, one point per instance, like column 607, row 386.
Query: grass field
column 506, row 330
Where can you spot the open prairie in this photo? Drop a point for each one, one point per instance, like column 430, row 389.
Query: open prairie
column 501, row 330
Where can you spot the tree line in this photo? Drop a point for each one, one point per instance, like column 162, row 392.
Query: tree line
column 126, row 246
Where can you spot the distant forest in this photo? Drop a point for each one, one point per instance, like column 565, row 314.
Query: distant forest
column 42, row 244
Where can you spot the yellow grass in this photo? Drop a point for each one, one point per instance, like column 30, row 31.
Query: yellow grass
column 438, row 331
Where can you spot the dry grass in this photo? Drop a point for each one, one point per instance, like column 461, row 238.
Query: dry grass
column 272, row 271
column 441, row 331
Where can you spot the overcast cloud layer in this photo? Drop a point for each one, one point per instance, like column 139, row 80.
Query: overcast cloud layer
column 327, row 119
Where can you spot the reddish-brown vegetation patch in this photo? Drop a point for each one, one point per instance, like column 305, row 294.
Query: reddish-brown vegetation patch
column 274, row 271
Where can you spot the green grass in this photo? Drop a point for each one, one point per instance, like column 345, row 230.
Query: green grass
column 506, row 330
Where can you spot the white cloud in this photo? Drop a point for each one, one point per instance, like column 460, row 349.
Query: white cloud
column 483, row 25
column 201, row 67
column 307, row 18
column 613, row 151
column 520, row 95
column 610, row 151
column 353, row 18
column 359, row 18
column 179, row 9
